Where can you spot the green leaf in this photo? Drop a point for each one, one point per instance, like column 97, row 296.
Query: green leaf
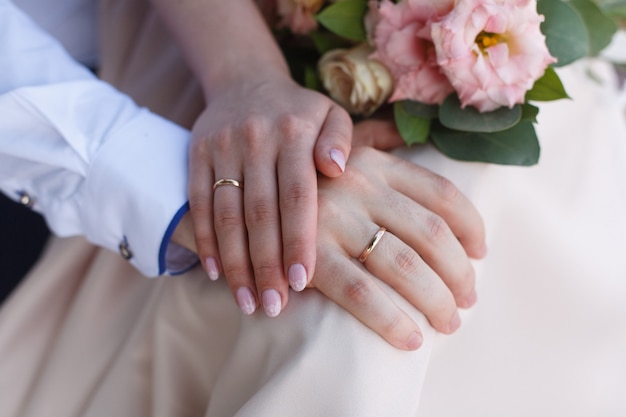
column 614, row 8
column 529, row 112
column 547, row 88
column 345, row 18
column 600, row 27
column 413, row 129
column 515, row 146
column 566, row 34
column 416, row 108
column 325, row 41
column 311, row 79
column 470, row 119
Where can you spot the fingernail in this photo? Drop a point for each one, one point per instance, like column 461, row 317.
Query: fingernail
column 455, row 323
column 297, row 277
column 271, row 302
column 210, row 264
column 338, row 158
column 245, row 299
column 414, row 341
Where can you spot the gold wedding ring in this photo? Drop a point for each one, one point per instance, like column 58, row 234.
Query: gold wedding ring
column 227, row 181
column 372, row 244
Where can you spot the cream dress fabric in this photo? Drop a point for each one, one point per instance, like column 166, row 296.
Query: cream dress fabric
column 86, row 335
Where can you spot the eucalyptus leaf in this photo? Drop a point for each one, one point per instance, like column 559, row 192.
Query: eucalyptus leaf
column 600, row 27
column 548, row 87
column 325, row 41
column 413, row 129
column 613, row 8
column 565, row 31
column 470, row 119
column 515, row 146
column 419, row 109
column 530, row 112
column 346, row 19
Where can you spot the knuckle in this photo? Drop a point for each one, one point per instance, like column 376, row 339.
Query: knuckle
column 296, row 196
column 267, row 270
column 199, row 207
column 255, row 132
column 393, row 324
column 359, row 292
column 408, row 263
column 261, row 212
column 235, row 272
column 445, row 189
column 222, row 141
column 293, row 127
column 436, row 228
column 227, row 218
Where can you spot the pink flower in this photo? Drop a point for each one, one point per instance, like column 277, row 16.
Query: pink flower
column 298, row 15
column 404, row 45
column 492, row 51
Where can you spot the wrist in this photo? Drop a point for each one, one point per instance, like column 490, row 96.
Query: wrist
column 225, row 77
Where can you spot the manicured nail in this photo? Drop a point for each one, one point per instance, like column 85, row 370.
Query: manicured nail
column 414, row 341
column 210, row 264
column 338, row 158
column 245, row 299
column 271, row 302
column 297, row 277
column 455, row 323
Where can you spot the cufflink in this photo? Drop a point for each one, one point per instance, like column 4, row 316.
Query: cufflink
column 125, row 249
column 25, row 199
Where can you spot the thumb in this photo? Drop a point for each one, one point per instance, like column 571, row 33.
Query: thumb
column 333, row 145
column 379, row 134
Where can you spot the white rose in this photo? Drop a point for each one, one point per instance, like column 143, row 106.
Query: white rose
column 361, row 85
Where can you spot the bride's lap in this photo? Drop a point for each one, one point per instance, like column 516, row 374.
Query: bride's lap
column 92, row 337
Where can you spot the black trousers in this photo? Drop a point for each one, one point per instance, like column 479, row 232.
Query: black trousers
column 23, row 234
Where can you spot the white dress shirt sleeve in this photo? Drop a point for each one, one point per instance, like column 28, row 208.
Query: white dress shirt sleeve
column 85, row 155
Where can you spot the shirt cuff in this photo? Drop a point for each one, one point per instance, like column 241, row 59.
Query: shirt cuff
column 173, row 258
column 136, row 192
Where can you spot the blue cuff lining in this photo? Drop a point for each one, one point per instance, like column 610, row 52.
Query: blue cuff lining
column 168, row 236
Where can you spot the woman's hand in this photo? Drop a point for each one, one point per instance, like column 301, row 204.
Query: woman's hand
column 432, row 230
column 270, row 136
column 263, row 131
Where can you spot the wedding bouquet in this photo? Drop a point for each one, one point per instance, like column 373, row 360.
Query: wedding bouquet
column 459, row 73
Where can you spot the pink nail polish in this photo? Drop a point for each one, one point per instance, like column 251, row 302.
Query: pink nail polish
column 245, row 300
column 210, row 264
column 338, row 158
column 297, row 277
column 414, row 341
column 271, row 302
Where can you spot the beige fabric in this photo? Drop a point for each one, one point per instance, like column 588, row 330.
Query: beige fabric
column 86, row 335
